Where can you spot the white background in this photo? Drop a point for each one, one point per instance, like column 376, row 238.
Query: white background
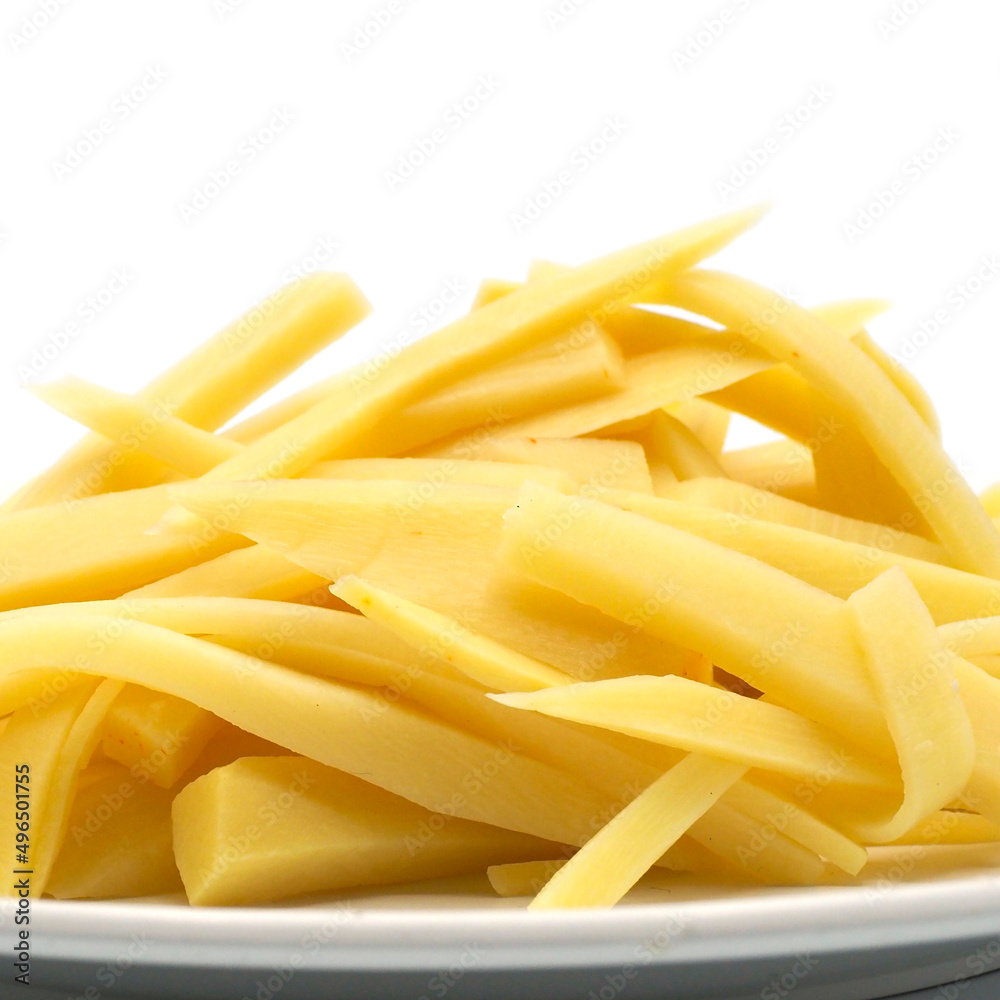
column 694, row 87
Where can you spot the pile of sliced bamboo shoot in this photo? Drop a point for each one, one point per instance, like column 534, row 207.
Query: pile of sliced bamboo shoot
column 503, row 602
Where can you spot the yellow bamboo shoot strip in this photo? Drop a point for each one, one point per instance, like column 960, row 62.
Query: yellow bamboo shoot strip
column 258, row 572
column 676, row 444
column 35, row 736
column 981, row 695
column 608, row 865
column 781, row 814
column 951, row 828
column 70, row 724
column 768, row 848
column 429, row 474
column 118, row 842
column 434, row 551
column 696, row 717
column 850, row 478
column 438, row 638
column 748, row 501
column 838, row 567
column 253, row 572
column 784, row 467
column 522, row 878
column 575, row 366
column 786, row 638
column 677, row 373
column 156, row 735
column 781, row 399
column 974, row 637
column 569, row 748
column 332, row 831
column 903, row 379
column 402, row 750
column 987, row 662
column 94, row 548
column 890, row 424
column 912, row 674
column 707, row 421
column 491, row 289
column 595, row 463
column 586, row 370
column 637, row 330
column 213, row 383
column 493, row 333
column 138, row 424
column 261, row 622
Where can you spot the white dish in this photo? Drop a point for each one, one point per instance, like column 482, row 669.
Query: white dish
column 902, row 930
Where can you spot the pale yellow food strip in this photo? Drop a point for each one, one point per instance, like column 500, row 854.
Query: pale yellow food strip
column 696, row 717
column 771, row 851
column 212, row 383
column 609, row 864
column 890, row 424
column 96, row 548
column 752, row 502
column 577, row 365
column 158, row 737
column 981, row 696
column 32, row 743
column 486, row 336
column 973, row 637
column 987, row 662
column 400, row 749
column 258, row 572
column 903, row 379
column 252, row 572
column 673, row 442
column 850, row 478
column 948, row 827
column 787, row 816
column 491, row 289
column 429, row 474
column 786, row 638
column 118, row 842
column 652, row 381
column 915, row 685
column 437, row 637
column 305, row 828
column 600, row 762
column 68, row 727
column 437, row 555
column 831, row 564
column 781, row 399
column 784, row 467
column 596, row 464
column 139, row 424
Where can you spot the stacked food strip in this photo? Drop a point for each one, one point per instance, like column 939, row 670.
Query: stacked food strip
column 503, row 602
